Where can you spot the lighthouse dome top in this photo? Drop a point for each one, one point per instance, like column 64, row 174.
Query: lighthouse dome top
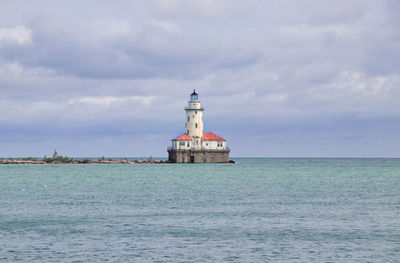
column 194, row 96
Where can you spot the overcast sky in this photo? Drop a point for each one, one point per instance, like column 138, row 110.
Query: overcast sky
column 288, row 78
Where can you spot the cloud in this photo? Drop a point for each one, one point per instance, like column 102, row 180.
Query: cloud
column 19, row 35
column 220, row 9
column 157, row 49
column 107, row 101
column 323, row 12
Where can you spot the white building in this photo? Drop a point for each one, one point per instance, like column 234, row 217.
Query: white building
column 189, row 146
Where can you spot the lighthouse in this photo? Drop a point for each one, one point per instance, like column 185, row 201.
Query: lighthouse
column 195, row 145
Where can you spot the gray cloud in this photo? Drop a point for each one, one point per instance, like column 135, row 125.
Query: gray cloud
column 150, row 52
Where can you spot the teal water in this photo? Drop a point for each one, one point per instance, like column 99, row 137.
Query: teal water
column 258, row 210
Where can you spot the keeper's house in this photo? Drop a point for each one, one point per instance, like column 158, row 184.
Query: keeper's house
column 195, row 145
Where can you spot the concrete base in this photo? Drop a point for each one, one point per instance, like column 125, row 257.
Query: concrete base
column 198, row 156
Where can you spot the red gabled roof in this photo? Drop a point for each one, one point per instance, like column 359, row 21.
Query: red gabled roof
column 183, row 137
column 209, row 136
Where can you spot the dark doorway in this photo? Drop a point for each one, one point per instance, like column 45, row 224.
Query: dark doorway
column 192, row 159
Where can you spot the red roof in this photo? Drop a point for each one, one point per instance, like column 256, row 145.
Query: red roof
column 183, row 137
column 209, row 136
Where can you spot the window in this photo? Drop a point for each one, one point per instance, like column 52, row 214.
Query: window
column 188, row 144
column 188, row 118
column 196, row 112
column 196, row 125
column 181, row 143
column 187, row 132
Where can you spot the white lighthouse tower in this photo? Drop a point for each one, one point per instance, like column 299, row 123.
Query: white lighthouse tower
column 196, row 145
column 194, row 119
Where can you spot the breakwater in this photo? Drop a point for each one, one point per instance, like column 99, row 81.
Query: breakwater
column 83, row 161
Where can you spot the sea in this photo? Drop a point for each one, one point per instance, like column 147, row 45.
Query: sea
column 257, row 210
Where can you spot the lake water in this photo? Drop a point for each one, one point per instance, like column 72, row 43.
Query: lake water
column 258, row 210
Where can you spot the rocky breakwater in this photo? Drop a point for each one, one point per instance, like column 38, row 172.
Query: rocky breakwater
column 82, row 161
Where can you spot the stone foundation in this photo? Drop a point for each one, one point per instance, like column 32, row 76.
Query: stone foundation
column 198, row 156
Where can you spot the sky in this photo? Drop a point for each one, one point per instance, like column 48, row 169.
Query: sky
column 288, row 78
